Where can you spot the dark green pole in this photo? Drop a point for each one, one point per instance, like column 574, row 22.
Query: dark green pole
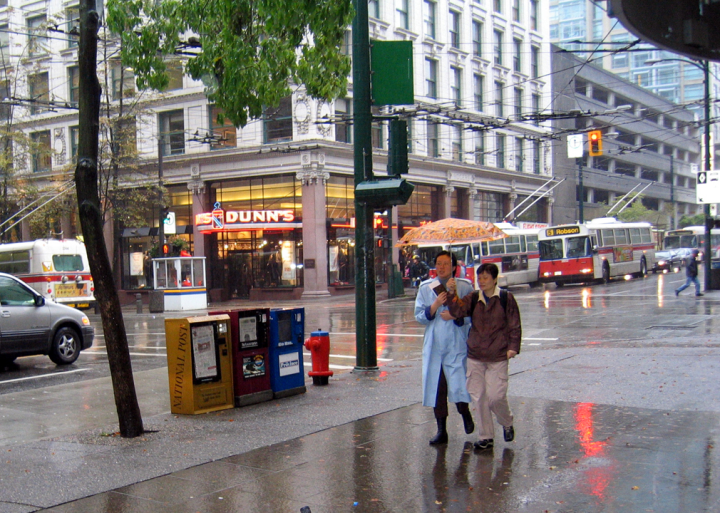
column 581, row 191
column 365, row 347
column 709, row 222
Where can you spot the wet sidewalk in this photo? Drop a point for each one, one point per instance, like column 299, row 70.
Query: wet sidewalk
column 360, row 444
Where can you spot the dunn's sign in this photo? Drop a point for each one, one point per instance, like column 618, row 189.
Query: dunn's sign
column 220, row 220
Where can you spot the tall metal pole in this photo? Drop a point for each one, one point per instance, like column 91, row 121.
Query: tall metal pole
column 161, row 206
column 365, row 341
column 581, row 190
column 672, row 192
column 709, row 222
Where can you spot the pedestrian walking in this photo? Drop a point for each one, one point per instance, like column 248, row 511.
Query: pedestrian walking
column 419, row 272
column 691, row 274
column 493, row 340
column 444, row 348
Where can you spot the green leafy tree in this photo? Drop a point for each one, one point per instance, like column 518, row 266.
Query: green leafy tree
column 696, row 220
column 246, row 52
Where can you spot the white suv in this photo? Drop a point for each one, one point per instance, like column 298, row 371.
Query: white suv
column 30, row 325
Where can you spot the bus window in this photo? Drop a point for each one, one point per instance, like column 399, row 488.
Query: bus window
column 512, row 244
column 607, row 237
column 551, row 249
column 635, row 237
column 620, row 236
column 646, row 235
column 578, row 247
column 15, row 262
column 476, row 253
column 497, row 247
column 65, row 263
column 532, row 243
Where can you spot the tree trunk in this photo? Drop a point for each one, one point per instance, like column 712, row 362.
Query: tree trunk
column 86, row 180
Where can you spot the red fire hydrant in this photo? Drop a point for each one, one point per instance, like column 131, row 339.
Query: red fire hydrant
column 319, row 346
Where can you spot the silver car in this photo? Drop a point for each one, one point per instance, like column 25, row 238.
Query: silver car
column 30, row 325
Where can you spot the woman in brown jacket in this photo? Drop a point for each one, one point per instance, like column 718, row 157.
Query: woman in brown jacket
column 493, row 340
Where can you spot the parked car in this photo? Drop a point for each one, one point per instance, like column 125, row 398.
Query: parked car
column 32, row 325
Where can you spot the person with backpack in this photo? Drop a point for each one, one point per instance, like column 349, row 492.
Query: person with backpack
column 444, row 348
column 494, row 339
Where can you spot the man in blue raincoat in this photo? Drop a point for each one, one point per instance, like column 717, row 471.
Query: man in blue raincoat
column 444, row 347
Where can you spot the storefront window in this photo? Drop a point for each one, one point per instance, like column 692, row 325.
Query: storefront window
column 340, row 201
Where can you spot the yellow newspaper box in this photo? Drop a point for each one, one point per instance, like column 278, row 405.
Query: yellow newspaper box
column 199, row 364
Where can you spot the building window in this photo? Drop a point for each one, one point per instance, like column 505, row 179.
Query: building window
column 480, row 147
column 4, row 38
column 37, row 35
column 224, row 132
column 374, row 8
column 401, row 14
column 456, row 85
column 455, row 29
column 172, row 130
column 518, row 103
column 533, row 14
column 277, row 121
column 376, row 133
column 498, row 48
column 73, row 84
column 534, row 62
column 5, row 108
column 517, row 62
column 175, row 76
column 430, row 78
column 126, row 137
column 516, row 10
column 457, row 148
column 343, row 115
column 479, row 86
column 72, row 25
column 39, row 93
column 123, row 82
column 537, row 154
column 499, row 110
column 497, row 6
column 429, row 15
column 519, row 154
column 477, row 38
column 536, row 109
column 500, row 150
column 74, row 140
column 41, row 152
column 433, row 139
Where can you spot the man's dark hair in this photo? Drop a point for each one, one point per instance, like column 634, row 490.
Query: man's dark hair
column 452, row 256
column 491, row 269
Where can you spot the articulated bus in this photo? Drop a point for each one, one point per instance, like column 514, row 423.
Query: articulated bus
column 57, row 269
column 515, row 255
column 692, row 237
column 598, row 250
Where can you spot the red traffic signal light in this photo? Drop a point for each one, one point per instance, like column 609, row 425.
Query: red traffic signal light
column 595, row 141
column 166, row 249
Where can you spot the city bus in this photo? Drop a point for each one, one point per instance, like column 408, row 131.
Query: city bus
column 691, row 237
column 598, row 250
column 515, row 255
column 57, row 269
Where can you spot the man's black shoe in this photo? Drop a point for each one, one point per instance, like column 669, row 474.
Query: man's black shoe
column 468, row 422
column 698, row 295
column 509, row 433
column 481, row 445
column 441, row 437
column 677, row 293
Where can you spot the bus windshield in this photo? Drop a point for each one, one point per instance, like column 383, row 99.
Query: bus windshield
column 578, row 247
column 64, row 263
column 680, row 241
column 551, row 249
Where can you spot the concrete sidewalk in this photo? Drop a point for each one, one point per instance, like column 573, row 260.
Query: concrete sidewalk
column 360, row 444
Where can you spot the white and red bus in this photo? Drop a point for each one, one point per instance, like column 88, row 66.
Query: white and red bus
column 57, row 269
column 515, row 255
column 692, row 237
column 597, row 250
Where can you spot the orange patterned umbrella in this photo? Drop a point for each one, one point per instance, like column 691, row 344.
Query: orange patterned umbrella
column 451, row 231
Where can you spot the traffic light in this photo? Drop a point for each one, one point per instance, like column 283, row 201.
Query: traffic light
column 595, row 141
column 383, row 194
column 166, row 249
column 398, row 153
column 164, row 213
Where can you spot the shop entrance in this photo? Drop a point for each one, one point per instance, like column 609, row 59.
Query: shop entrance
column 240, row 274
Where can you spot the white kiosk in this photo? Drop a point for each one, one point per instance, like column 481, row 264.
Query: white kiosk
column 182, row 280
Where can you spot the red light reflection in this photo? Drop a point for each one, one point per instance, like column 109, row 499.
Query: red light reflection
column 597, row 478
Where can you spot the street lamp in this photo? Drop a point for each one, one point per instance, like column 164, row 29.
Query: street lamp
column 709, row 222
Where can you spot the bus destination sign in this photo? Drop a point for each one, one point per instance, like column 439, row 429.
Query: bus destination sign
column 562, row 230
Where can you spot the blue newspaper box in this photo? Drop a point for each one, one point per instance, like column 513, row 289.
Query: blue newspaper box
column 287, row 373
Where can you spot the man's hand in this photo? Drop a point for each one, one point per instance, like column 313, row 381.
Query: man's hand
column 451, row 285
column 445, row 315
column 511, row 354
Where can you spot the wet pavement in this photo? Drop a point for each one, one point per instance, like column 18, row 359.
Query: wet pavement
column 615, row 400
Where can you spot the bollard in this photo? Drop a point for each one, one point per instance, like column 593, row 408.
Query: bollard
column 138, row 302
column 319, row 346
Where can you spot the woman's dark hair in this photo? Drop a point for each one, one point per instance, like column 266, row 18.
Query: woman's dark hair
column 491, row 269
column 451, row 255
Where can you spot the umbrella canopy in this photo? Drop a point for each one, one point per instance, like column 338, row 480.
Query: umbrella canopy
column 451, row 231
